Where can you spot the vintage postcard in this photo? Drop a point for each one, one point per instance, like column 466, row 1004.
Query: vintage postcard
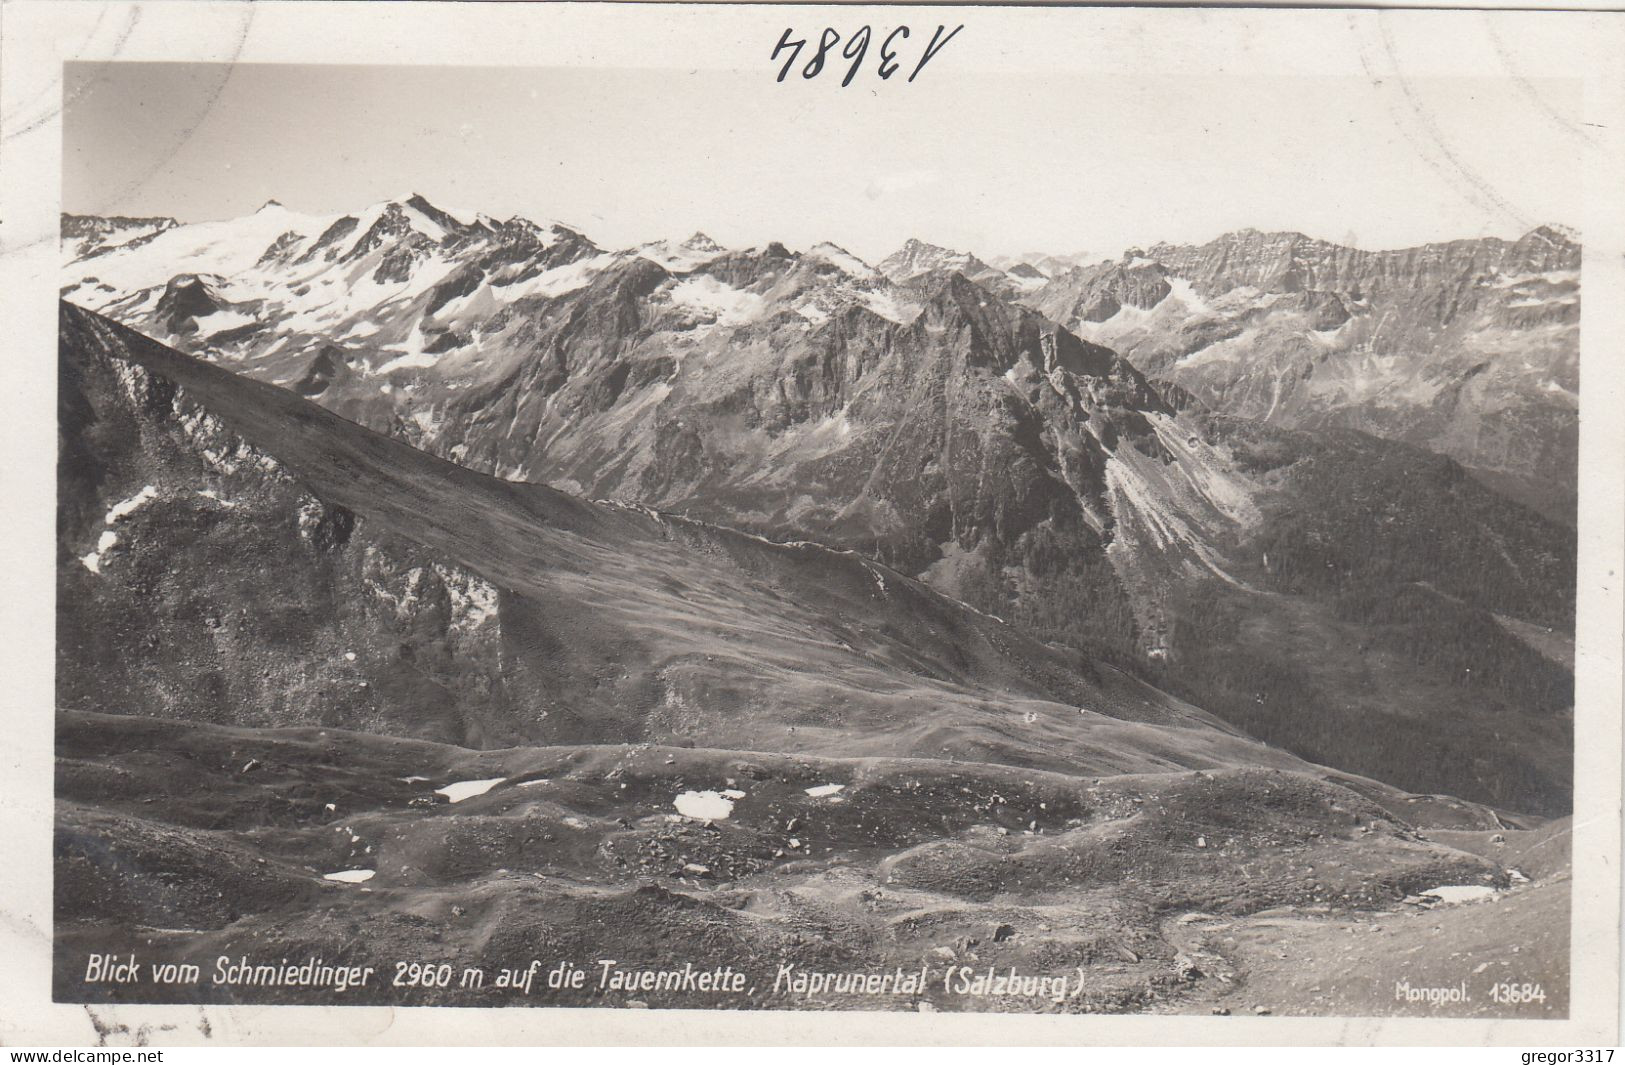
column 1091, row 524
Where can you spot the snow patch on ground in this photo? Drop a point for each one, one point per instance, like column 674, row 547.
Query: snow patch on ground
column 1550, row 277
column 425, row 276
column 1183, row 291
column 351, row 876
column 1532, row 301
column 467, row 789
column 462, row 215
column 426, row 421
column 826, row 790
column 887, row 304
column 222, row 320
column 125, row 507
column 116, row 513
column 1452, row 894
column 1129, row 314
column 1332, row 335
column 559, row 281
column 424, row 224
column 704, row 805
column 837, row 425
column 413, row 357
column 364, row 223
column 106, row 543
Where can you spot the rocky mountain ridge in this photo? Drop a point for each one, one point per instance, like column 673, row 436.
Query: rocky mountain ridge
column 937, row 427
column 1469, row 348
column 413, row 597
column 671, row 739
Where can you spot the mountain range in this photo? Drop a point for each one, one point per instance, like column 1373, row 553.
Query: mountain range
column 1468, row 348
column 1282, row 479
column 327, row 696
column 361, row 583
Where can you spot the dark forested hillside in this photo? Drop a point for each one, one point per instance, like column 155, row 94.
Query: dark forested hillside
column 1373, row 629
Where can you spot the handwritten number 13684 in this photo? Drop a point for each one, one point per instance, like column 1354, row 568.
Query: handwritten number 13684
column 855, row 51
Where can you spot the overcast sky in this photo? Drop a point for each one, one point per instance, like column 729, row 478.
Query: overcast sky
column 997, row 165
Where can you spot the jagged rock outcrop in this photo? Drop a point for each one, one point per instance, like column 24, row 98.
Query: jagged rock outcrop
column 199, row 579
column 87, row 236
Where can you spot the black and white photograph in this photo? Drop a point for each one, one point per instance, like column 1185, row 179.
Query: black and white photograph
column 871, row 529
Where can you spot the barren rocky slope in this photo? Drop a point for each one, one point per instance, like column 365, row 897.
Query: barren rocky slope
column 196, row 843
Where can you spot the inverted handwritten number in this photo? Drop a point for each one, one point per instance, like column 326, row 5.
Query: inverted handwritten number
column 855, row 50
column 888, row 57
column 795, row 50
column 933, row 48
column 825, row 43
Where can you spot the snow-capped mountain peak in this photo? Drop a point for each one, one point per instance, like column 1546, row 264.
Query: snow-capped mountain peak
column 916, row 258
column 681, row 256
column 701, row 243
column 919, row 262
column 839, row 257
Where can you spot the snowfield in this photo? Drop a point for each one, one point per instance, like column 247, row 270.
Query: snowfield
column 705, row 296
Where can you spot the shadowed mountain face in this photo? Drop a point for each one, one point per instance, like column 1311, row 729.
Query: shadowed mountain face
column 327, row 696
column 929, row 423
column 1468, row 348
column 932, row 426
column 231, row 552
